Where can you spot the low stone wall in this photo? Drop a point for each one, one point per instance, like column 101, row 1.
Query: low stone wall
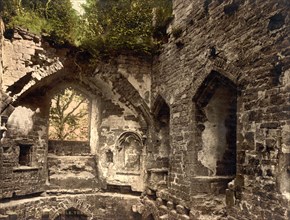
column 72, row 172
column 101, row 206
column 68, row 148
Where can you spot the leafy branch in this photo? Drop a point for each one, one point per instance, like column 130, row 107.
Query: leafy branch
column 68, row 116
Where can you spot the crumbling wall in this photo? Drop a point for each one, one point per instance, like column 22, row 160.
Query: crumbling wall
column 72, row 172
column 35, row 72
column 138, row 72
column 245, row 41
column 24, row 153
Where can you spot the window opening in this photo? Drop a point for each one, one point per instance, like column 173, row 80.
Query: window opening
column 68, row 117
column 25, row 155
column 110, row 156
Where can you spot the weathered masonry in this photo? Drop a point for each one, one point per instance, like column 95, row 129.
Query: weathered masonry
column 200, row 131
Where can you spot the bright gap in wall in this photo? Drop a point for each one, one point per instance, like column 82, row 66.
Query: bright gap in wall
column 69, row 116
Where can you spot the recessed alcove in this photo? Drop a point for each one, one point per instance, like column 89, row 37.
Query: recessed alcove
column 158, row 171
column 25, row 155
column 215, row 118
column 162, row 117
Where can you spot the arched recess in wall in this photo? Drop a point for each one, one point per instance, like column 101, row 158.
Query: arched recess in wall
column 114, row 104
column 72, row 103
column 159, row 168
column 162, row 125
column 215, row 118
column 130, row 152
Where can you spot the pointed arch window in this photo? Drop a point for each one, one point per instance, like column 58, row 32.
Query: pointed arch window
column 216, row 121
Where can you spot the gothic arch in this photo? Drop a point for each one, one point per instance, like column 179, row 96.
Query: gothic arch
column 125, row 135
column 205, row 80
column 161, row 112
column 216, row 121
column 217, row 72
column 130, row 150
column 99, row 84
column 158, row 103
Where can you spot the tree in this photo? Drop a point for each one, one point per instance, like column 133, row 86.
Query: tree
column 63, row 21
column 69, row 116
column 112, row 26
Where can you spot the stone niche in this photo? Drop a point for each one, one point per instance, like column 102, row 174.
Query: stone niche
column 162, row 116
column 216, row 131
column 158, row 169
column 130, row 148
column 25, row 154
column 126, row 162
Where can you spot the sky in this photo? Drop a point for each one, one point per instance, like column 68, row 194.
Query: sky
column 77, row 5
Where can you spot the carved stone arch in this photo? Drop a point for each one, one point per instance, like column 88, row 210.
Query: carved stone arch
column 68, row 70
column 81, row 206
column 54, row 83
column 130, row 150
column 98, row 84
column 125, row 135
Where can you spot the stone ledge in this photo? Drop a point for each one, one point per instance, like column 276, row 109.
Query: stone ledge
column 25, row 168
column 158, row 170
column 128, row 173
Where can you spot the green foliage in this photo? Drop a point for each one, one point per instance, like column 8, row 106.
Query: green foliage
column 162, row 17
column 122, row 25
column 56, row 18
column 68, row 116
column 106, row 28
column 63, row 21
column 30, row 20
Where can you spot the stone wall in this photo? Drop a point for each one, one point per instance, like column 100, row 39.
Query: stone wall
column 24, row 153
column 34, row 73
column 101, row 206
column 204, row 128
column 246, row 42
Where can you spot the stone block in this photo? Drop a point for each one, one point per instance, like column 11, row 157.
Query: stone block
column 4, row 217
column 230, row 198
column 170, row 205
column 180, row 209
